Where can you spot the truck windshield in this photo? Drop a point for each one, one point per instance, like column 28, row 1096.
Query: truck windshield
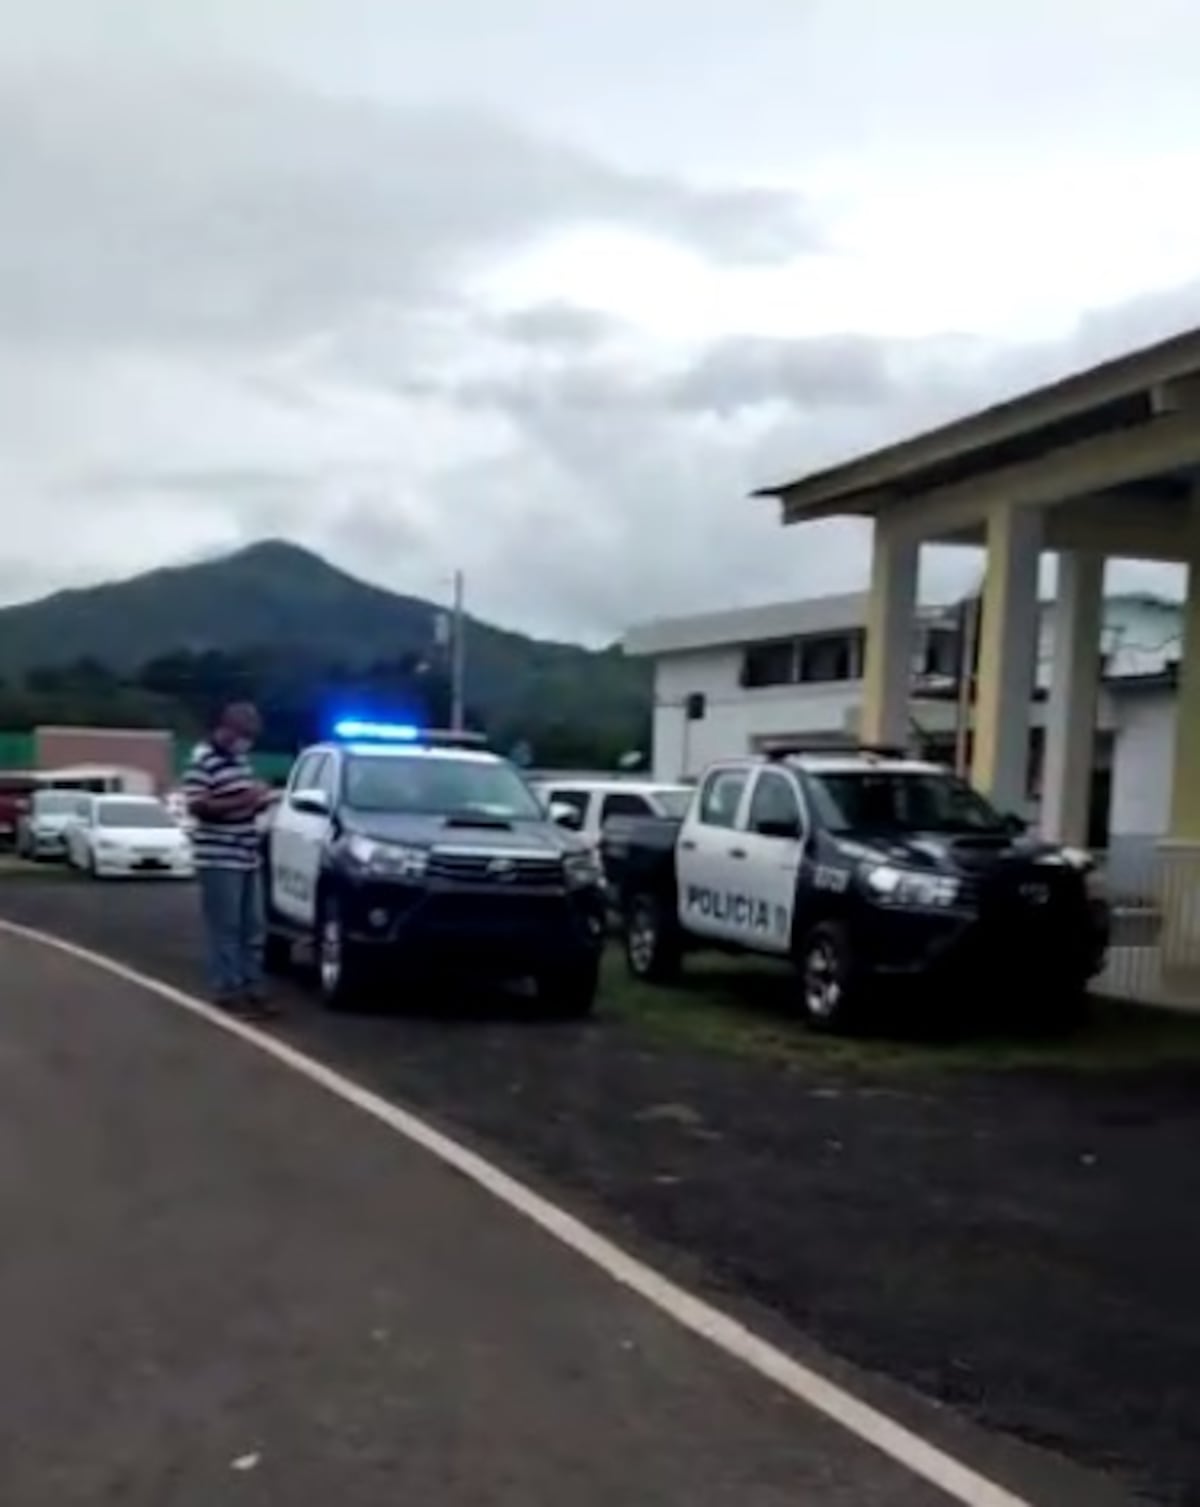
column 131, row 814
column 56, row 803
column 892, row 801
column 674, row 803
column 420, row 786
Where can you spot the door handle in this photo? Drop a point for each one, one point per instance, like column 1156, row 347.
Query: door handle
column 737, row 852
column 688, row 845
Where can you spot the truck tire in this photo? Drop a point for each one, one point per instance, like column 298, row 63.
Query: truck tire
column 653, row 944
column 830, row 993
column 569, row 993
column 341, row 972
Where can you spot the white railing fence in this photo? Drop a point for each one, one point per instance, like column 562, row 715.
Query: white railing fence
column 1154, row 958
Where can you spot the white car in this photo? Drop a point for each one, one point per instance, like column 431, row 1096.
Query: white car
column 133, row 835
column 585, row 806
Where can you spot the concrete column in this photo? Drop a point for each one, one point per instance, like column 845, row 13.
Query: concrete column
column 891, row 616
column 1185, row 791
column 1074, row 684
column 1007, row 652
column 1179, row 853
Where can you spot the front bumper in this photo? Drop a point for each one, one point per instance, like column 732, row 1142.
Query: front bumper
column 474, row 928
column 1065, row 944
column 47, row 845
column 133, row 866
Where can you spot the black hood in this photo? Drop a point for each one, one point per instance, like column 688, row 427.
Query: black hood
column 964, row 854
column 462, row 832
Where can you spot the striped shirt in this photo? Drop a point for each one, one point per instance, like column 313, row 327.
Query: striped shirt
column 221, row 843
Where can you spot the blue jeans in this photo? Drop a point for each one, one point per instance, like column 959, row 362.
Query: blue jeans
column 234, row 929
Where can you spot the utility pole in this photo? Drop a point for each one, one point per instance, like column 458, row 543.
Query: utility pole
column 458, row 658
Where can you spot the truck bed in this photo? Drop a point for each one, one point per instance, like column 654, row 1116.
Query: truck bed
column 638, row 853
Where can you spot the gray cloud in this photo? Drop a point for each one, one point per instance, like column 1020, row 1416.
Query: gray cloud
column 557, row 327
column 245, row 300
column 236, row 206
column 832, row 372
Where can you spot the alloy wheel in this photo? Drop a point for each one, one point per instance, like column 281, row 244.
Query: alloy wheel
column 822, row 981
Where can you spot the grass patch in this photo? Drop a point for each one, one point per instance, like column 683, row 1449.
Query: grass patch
column 747, row 1008
column 11, row 865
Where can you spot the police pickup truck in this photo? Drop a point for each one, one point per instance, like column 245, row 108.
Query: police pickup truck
column 394, row 850
column 861, row 866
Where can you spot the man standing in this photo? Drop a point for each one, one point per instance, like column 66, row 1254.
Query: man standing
column 225, row 798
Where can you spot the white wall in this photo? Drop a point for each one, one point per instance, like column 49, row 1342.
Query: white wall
column 1143, row 761
column 1142, row 771
column 734, row 716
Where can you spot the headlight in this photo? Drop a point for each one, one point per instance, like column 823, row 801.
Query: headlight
column 582, row 870
column 1084, row 864
column 388, row 859
column 893, row 886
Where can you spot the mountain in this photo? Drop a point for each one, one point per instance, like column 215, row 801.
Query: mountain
column 281, row 599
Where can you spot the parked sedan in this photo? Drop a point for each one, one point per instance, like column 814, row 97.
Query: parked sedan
column 119, row 835
column 42, row 830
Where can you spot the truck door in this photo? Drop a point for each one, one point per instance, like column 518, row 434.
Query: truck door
column 312, row 835
column 774, row 842
column 292, row 874
column 711, row 854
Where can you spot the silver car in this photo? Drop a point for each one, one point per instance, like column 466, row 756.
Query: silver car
column 42, row 833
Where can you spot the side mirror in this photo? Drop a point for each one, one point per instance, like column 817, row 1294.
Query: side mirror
column 1015, row 825
column 311, row 802
column 785, row 831
column 563, row 814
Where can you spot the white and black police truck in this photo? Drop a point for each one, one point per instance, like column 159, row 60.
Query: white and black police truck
column 395, row 851
column 864, row 867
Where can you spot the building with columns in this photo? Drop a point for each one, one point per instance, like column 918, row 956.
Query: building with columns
column 1104, row 464
column 729, row 682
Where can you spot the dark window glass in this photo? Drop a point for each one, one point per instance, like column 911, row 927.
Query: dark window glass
column 826, row 658
column 721, row 797
column 576, row 799
column 769, row 664
column 622, row 803
column 774, row 802
column 882, row 801
column 302, row 775
column 421, row 785
column 941, row 652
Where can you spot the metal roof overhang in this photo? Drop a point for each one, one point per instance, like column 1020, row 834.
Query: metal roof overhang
column 1104, row 415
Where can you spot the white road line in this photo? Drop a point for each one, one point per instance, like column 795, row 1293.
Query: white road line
column 917, row 1455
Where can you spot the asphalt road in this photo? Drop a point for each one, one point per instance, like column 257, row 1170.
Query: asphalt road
column 1020, row 1248
column 219, row 1284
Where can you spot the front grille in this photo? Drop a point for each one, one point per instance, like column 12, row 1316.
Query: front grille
column 501, row 870
column 1031, row 894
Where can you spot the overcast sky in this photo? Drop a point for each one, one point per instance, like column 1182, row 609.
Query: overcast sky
column 543, row 289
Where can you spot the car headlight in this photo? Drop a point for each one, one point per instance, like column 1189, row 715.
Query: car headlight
column 391, row 860
column 894, row 886
column 582, row 870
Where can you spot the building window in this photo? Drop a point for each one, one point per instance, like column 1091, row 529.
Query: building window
column 769, row 664
column 939, row 654
column 829, row 657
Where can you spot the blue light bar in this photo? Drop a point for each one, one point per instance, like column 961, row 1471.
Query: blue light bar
column 376, row 732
